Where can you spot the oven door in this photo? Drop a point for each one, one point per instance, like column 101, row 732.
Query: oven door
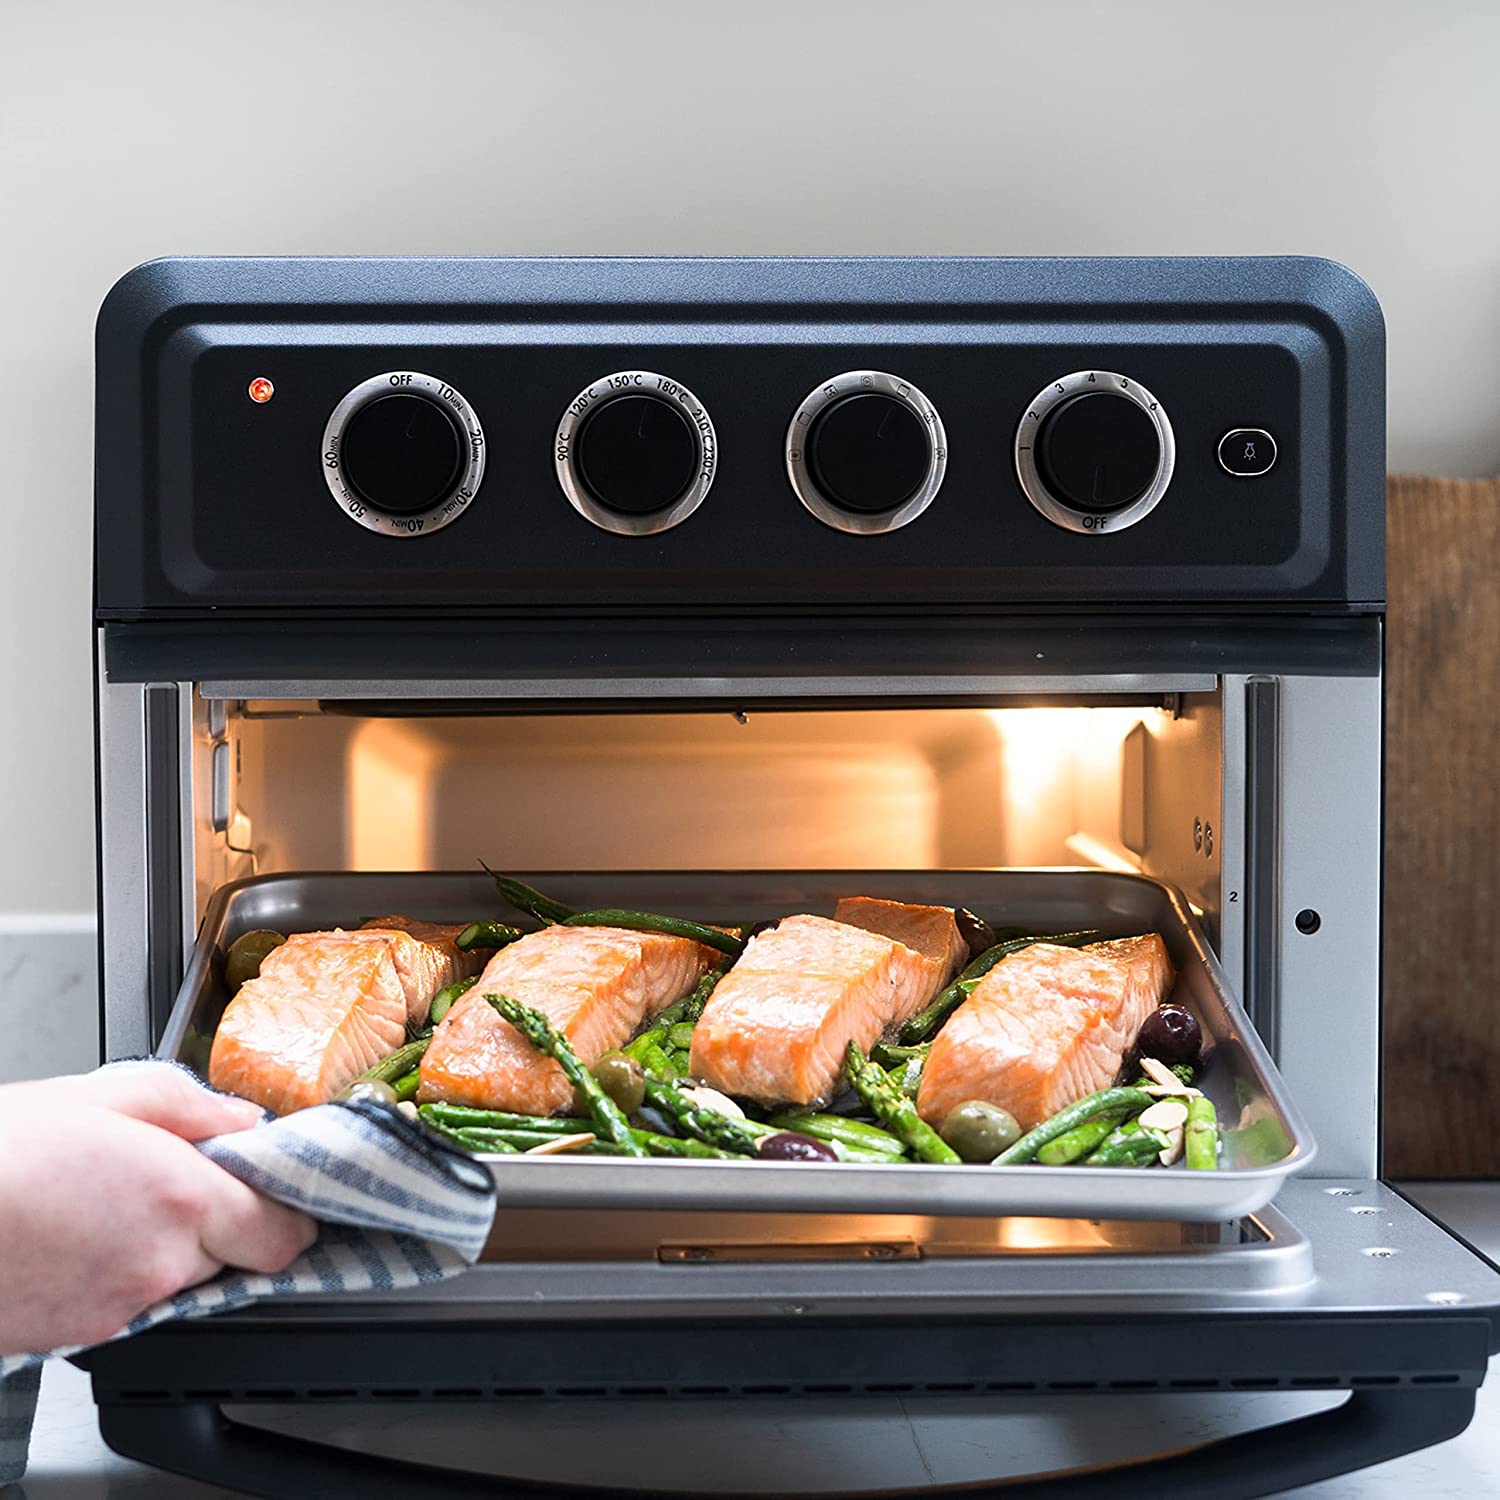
column 1069, row 1342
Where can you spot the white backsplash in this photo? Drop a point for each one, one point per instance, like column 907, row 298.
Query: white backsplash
column 49, row 995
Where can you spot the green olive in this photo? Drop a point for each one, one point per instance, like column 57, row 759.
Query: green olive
column 369, row 1090
column 246, row 954
column 979, row 1131
column 623, row 1079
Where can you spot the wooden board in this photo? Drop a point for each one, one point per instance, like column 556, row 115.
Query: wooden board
column 1442, row 852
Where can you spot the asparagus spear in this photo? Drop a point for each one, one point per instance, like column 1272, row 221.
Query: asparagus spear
column 707, row 1125
column 605, row 1113
column 895, row 1109
column 442, row 1002
column 1119, row 1101
column 508, row 1142
column 463, row 1116
column 487, row 935
column 924, row 1023
column 1073, row 1145
column 836, row 1129
column 396, row 1064
column 1201, row 1147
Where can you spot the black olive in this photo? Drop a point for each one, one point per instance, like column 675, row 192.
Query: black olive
column 1171, row 1034
column 975, row 931
column 790, row 1146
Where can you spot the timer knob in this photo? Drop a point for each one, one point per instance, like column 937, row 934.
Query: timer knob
column 1094, row 451
column 866, row 452
column 635, row 452
column 403, row 454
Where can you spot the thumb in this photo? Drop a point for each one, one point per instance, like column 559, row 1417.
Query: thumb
column 169, row 1098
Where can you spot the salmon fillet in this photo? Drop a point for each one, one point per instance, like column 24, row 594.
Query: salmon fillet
column 928, row 930
column 1045, row 1027
column 427, row 958
column 777, row 1024
column 594, row 984
column 330, row 1007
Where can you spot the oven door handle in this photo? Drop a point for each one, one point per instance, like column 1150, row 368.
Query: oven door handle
column 196, row 1439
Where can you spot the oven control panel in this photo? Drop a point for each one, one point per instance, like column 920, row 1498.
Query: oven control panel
column 500, row 435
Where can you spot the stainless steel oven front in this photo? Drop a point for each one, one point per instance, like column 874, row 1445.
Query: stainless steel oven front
column 784, row 570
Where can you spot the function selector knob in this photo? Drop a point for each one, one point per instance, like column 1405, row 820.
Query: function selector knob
column 635, row 453
column 1094, row 451
column 866, row 452
column 403, row 454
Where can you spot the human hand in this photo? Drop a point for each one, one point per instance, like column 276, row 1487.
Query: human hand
column 106, row 1208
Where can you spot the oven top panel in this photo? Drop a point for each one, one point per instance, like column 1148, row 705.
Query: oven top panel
column 484, row 436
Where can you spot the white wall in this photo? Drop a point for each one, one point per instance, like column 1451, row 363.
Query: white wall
column 1365, row 132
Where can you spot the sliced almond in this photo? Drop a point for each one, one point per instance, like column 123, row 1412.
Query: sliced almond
column 707, row 1098
column 1158, row 1092
column 1165, row 1114
column 1165, row 1078
column 561, row 1143
column 1172, row 1151
column 407, row 1108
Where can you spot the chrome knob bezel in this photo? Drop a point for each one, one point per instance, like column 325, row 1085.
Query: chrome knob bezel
column 1053, row 507
column 799, row 473
column 453, row 504
column 634, row 383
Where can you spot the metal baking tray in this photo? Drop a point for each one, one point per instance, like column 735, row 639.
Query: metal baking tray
column 1266, row 1138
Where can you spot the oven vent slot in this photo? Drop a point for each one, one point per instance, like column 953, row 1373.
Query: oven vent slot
column 258, row 1395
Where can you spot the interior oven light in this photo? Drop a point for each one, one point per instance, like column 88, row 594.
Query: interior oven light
column 260, row 390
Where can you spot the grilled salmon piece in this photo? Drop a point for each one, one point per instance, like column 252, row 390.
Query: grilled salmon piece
column 1045, row 1028
column 928, row 930
column 777, row 1024
column 594, row 984
column 330, row 1007
column 427, row 958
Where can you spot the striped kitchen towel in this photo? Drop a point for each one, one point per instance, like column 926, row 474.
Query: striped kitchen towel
column 399, row 1208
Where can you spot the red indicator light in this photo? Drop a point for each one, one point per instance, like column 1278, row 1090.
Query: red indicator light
column 261, row 390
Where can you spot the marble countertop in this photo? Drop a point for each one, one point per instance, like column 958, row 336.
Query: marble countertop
column 828, row 1445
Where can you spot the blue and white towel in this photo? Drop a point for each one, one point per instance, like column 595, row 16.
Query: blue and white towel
column 399, row 1208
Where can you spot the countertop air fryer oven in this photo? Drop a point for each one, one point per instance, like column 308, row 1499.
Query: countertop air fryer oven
column 1049, row 587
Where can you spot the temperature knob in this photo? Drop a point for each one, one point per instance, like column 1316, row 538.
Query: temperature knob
column 866, row 452
column 403, row 454
column 1094, row 451
column 635, row 453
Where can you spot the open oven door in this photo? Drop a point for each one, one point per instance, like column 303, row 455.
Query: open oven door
column 1340, row 1328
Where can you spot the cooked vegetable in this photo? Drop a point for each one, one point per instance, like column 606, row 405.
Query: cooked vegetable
column 846, row 1132
column 464, row 1142
column 442, row 1002
column 605, row 1113
column 789, row 1146
column 680, row 1037
column 623, row 1079
column 642, row 1143
column 1072, row 1145
column 888, row 1055
column 908, row 1077
column 1118, row 1101
column 1176, row 1080
column 924, row 1023
column 975, row 931
column 463, row 1117
column 1172, row 1033
column 246, row 954
column 527, row 898
column 406, row 1085
column 707, row 1125
column 895, row 1109
column 487, row 935
column 395, row 1064
column 1126, row 1149
column 1201, row 1139
column 369, row 1091
column 980, row 1131
column 671, row 1145
column 648, row 921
